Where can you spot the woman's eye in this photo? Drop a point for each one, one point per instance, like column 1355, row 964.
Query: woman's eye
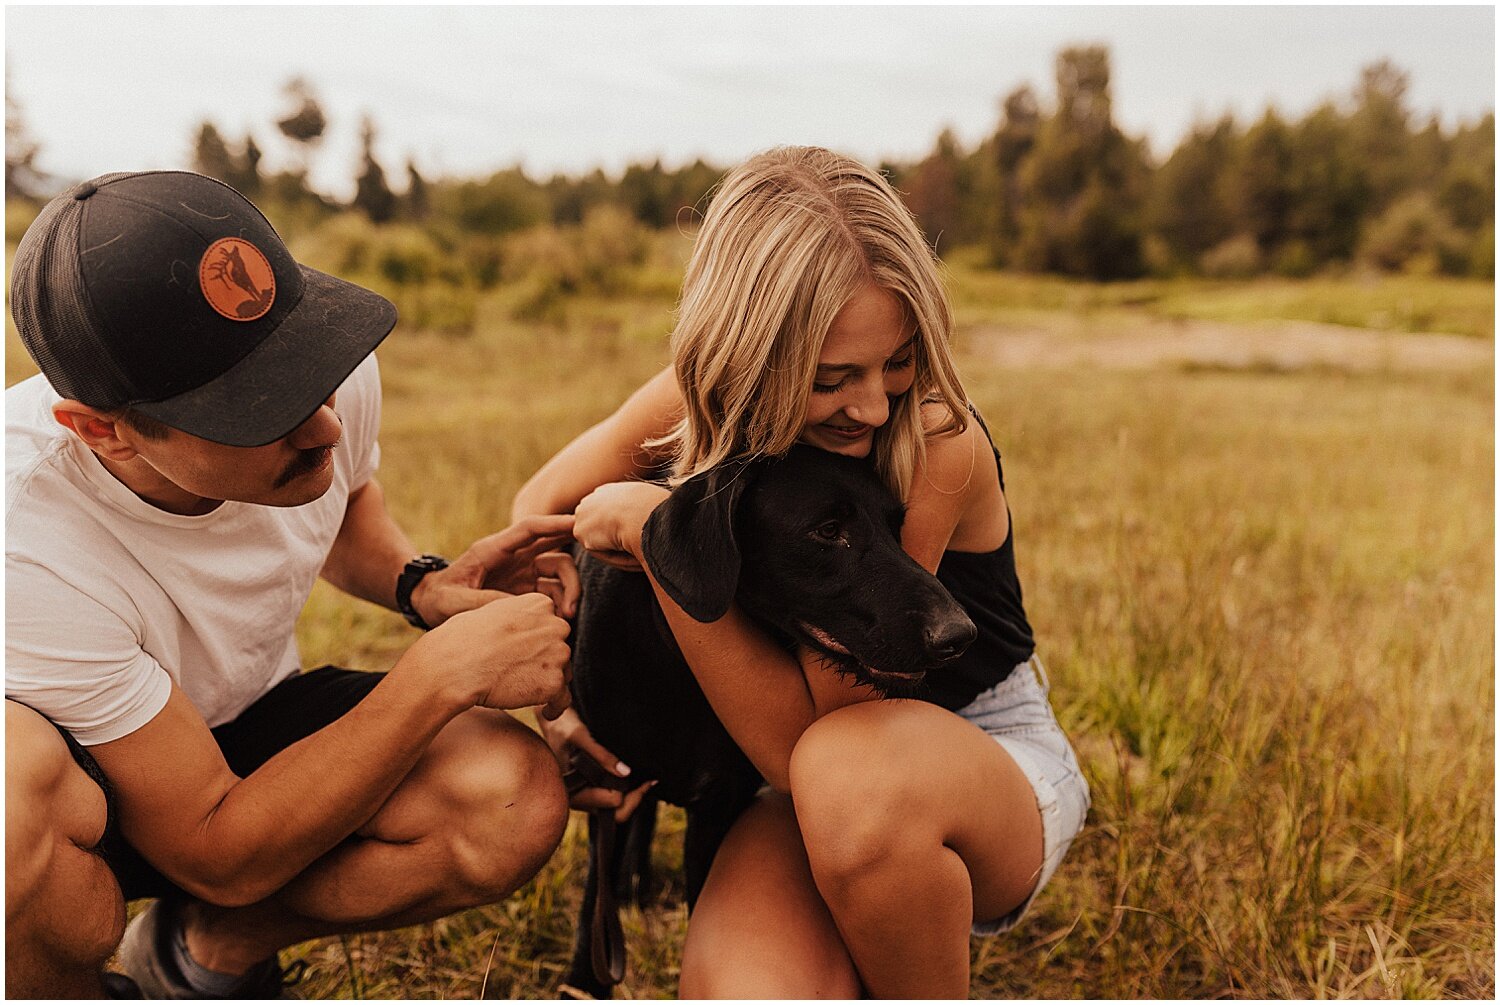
column 903, row 362
column 829, row 388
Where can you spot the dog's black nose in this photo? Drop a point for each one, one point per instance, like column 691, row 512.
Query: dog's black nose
column 948, row 637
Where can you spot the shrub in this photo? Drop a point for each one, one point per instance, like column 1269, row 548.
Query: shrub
column 434, row 283
column 1237, row 258
column 342, row 246
column 1295, row 260
column 1413, row 235
column 19, row 215
column 551, row 263
column 1482, row 253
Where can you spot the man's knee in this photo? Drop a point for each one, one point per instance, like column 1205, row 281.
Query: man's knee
column 61, row 900
column 508, row 806
column 47, row 795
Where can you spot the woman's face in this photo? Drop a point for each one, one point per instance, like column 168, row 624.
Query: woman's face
column 867, row 361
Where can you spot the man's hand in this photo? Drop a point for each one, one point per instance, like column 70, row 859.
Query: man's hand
column 522, row 558
column 509, row 653
column 567, row 734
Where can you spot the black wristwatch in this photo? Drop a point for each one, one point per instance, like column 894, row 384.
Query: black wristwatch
column 407, row 582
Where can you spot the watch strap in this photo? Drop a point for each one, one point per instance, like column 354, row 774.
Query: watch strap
column 407, row 582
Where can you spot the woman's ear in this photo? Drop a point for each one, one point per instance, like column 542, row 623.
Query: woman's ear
column 99, row 430
column 689, row 541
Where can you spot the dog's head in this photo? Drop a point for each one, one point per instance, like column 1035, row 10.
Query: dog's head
column 810, row 543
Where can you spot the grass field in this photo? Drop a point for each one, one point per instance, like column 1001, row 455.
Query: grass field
column 1265, row 595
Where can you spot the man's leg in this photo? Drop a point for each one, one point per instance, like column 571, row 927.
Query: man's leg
column 479, row 814
column 63, row 909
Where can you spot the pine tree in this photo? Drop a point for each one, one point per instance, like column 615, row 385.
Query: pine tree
column 304, row 126
column 22, row 179
column 1083, row 185
column 1190, row 208
column 211, row 154
column 934, row 191
column 418, row 201
column 1020, row 125
column 1381, row 133
column 1262, row 183
column 371, row 192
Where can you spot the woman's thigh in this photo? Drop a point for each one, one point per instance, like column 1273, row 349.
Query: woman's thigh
column 760, row 929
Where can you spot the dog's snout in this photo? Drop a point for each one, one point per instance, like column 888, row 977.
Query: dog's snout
column 950, row 635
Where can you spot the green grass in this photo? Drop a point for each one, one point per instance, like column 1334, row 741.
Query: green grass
column 1266, row 600
column 1357, row 299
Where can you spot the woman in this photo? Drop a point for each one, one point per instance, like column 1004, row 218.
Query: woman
column 812, row 311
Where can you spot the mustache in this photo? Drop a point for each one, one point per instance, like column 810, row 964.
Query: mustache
column 306, row 462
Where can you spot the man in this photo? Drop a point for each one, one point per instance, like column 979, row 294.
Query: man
column 200, row 446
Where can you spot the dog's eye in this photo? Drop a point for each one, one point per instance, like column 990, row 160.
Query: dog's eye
column 829, row 530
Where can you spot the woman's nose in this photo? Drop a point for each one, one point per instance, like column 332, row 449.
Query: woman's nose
column 872, row 407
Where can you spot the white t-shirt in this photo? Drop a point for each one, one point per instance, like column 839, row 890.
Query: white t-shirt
column 108, row 598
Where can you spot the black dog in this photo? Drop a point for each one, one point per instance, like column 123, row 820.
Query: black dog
column 809, row 545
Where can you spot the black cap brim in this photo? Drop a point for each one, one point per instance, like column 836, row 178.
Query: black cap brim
column 282, row 381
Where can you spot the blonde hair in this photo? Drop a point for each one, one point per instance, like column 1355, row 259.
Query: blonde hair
column 789, row 237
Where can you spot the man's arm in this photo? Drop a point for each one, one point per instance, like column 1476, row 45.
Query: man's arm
column 370, row 549
column 234, row 841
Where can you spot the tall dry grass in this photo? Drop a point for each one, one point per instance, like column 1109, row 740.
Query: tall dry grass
column 1266, row 600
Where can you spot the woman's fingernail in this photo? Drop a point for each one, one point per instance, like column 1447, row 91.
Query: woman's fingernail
column 622, row 769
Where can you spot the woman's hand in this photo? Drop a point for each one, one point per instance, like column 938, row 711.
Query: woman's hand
column 522, row 558
column 567, row 734
column 608, row 521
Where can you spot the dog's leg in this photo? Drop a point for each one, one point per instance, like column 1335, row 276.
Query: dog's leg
column 636, row 881
column 581, row 969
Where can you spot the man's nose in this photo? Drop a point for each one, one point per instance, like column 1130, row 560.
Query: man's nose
column 322, row 429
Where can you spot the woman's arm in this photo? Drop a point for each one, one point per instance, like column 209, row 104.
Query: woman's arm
column 764, row 696
column 612, row 451
column 954, row 501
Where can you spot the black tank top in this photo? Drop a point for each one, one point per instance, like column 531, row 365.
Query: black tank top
column 986, row 586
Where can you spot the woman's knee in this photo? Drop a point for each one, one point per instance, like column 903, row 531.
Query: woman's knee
column 721, row 961
column 728, row 974
column 857, row 788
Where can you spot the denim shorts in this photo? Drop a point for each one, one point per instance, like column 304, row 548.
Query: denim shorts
column 1018, row 715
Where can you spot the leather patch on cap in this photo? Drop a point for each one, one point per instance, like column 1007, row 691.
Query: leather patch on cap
column 236, row 279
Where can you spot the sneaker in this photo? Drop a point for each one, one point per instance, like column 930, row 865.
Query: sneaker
column 146, row 957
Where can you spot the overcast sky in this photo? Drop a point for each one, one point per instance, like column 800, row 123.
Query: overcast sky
column 466, row 90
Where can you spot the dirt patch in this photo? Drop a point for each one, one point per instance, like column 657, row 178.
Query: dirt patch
column 1144, row 344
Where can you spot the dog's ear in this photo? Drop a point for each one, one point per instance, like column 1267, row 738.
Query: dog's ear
column 689, row 541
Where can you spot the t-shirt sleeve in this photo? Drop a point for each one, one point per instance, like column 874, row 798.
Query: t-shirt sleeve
column 363, row 416
column 92, row 677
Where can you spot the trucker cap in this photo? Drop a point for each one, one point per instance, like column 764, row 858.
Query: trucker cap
column 167, row 291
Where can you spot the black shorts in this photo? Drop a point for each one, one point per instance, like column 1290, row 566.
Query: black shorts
column 293, row 710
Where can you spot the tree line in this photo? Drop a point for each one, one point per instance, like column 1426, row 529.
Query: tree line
column 1057, row 187
column 1065, row 190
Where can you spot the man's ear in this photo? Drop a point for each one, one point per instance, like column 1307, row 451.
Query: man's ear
column 689, row 541
column 99, row 430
